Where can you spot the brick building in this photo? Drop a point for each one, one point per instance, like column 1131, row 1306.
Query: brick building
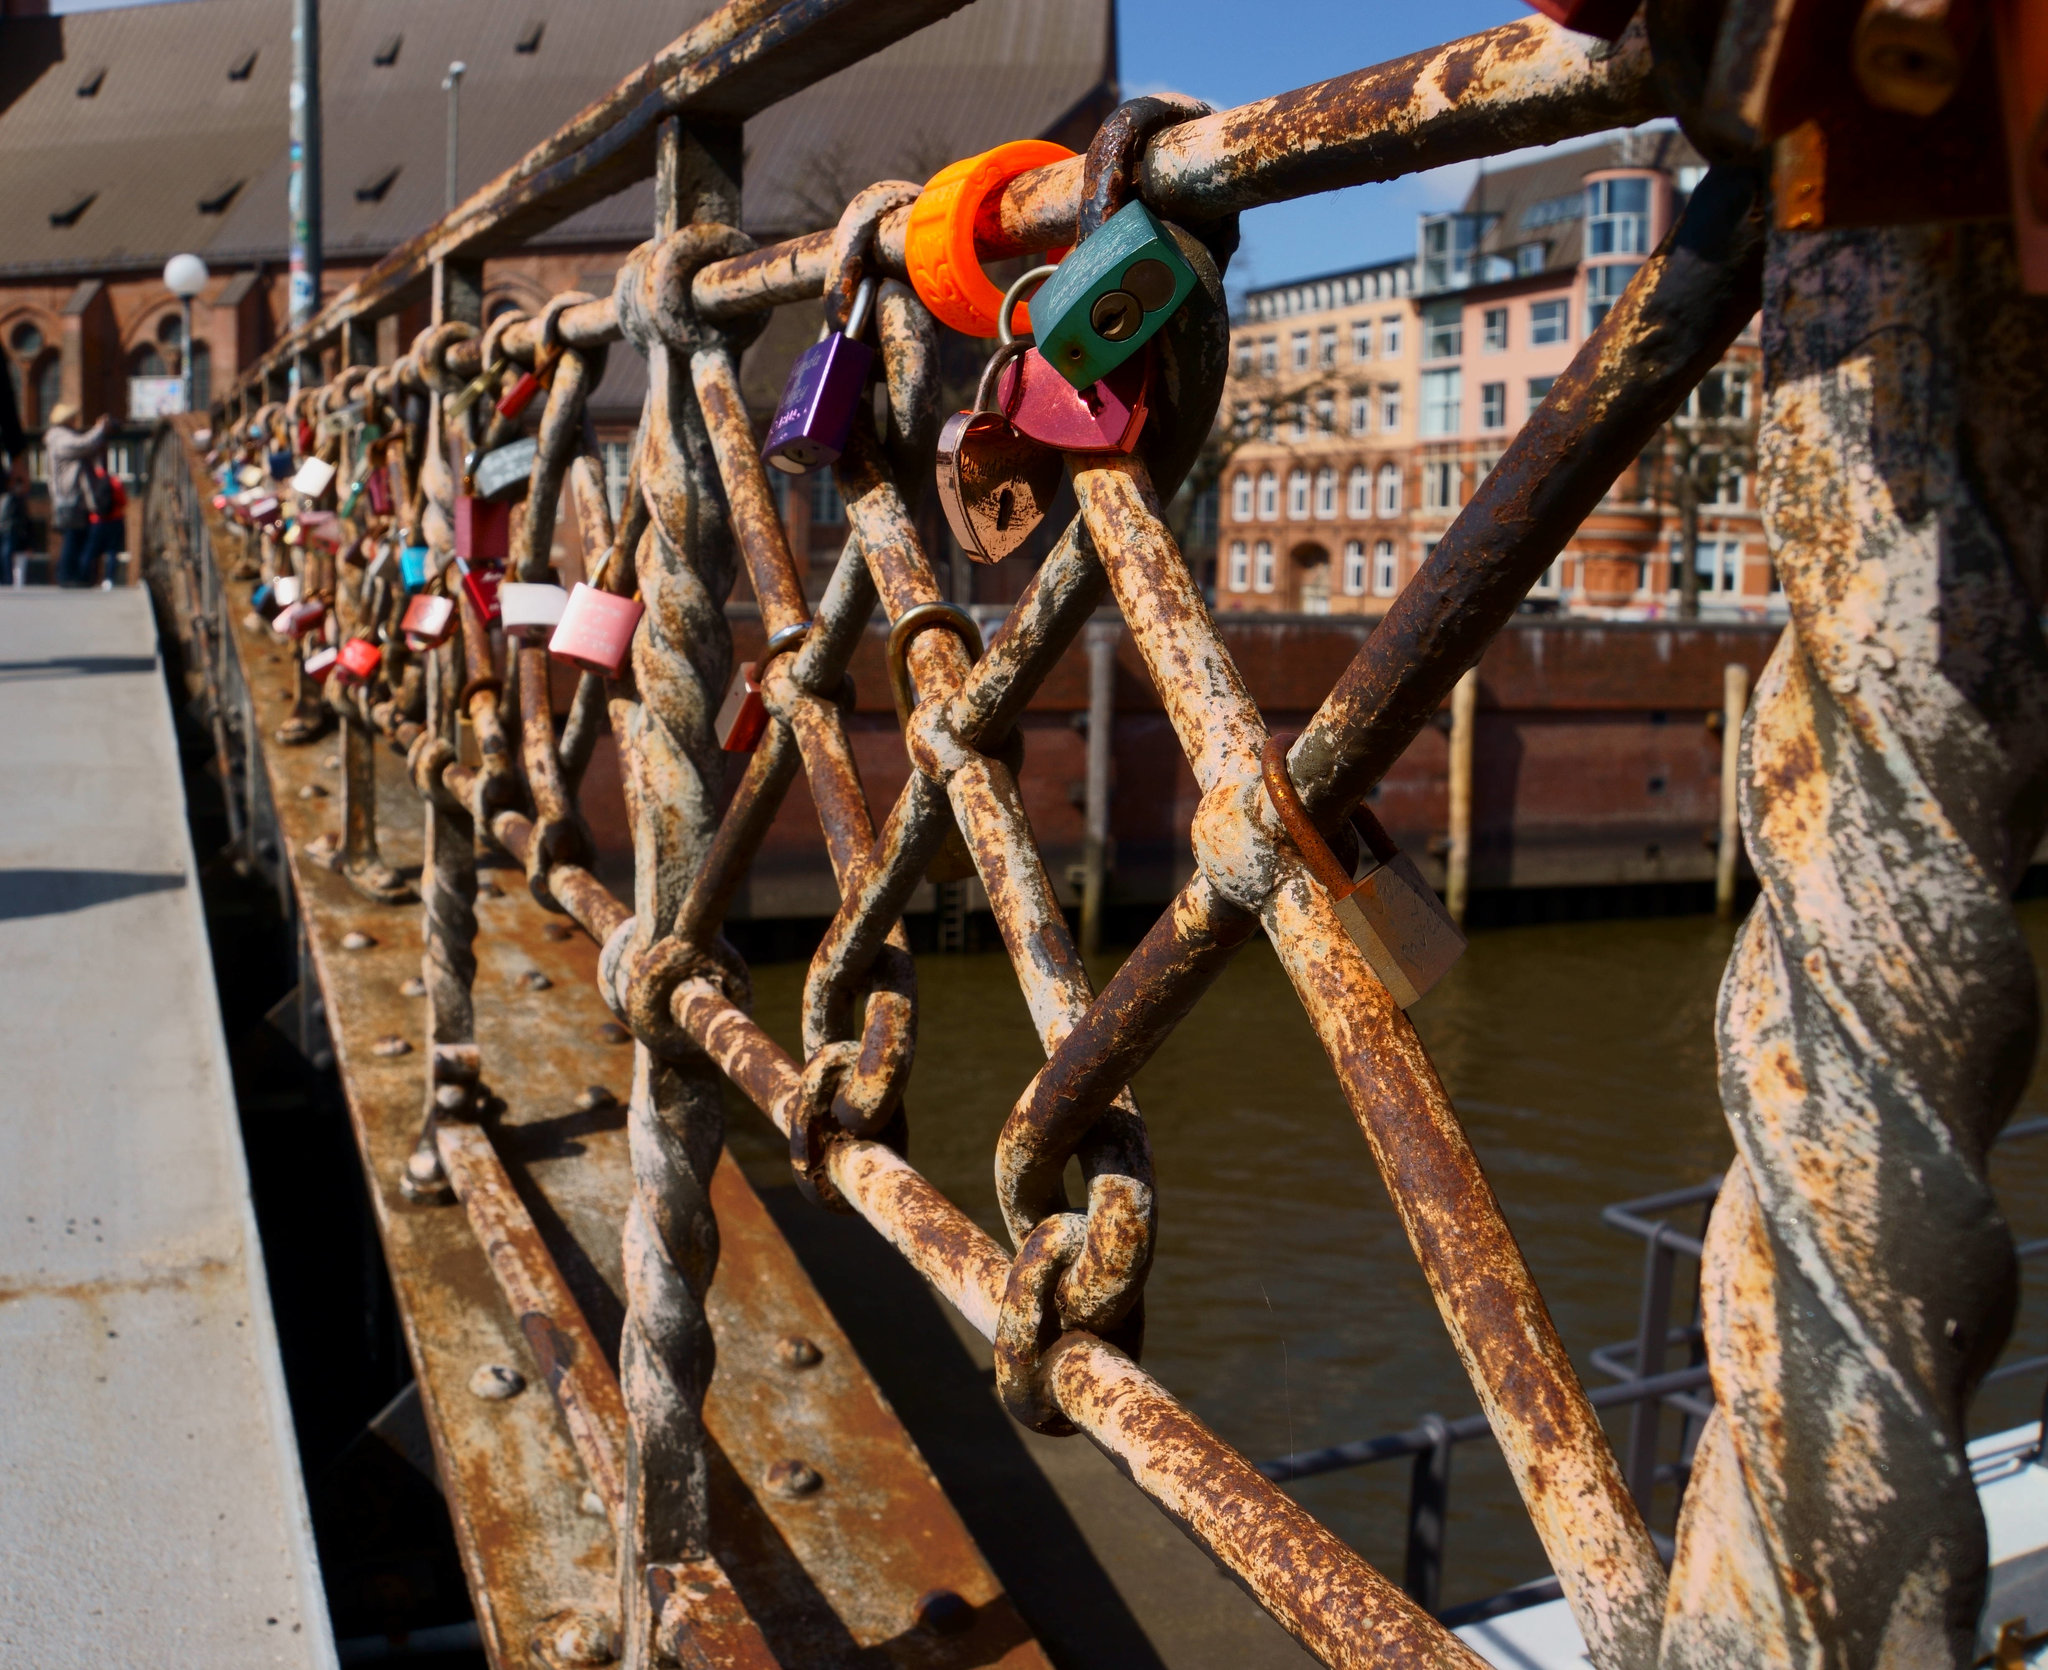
column 1364, row 407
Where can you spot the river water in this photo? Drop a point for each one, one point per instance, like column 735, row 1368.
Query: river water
column 1285, row 1307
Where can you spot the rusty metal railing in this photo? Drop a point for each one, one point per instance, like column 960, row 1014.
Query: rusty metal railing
column 1877, row 1016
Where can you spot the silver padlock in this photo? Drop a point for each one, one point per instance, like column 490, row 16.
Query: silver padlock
column 1390, row 913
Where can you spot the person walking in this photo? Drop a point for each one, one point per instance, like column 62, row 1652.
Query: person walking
column 109, row 524
column 14, row 525
column 71, row 453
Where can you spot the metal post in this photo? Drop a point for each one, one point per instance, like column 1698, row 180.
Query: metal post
column 1458, row 862
column 1429, row 1500
column 1646, row 1420
column 191, row 383
column 304, row 189
column 1102, row 641
column 1728, row 854
column 452, row 83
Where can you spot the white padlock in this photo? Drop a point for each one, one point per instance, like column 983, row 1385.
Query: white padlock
column 315, row 476
column 529, row 609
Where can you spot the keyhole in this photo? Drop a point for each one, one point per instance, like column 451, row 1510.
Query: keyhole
column 1006, row 502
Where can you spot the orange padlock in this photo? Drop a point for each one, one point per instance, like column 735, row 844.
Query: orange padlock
column 938, row 248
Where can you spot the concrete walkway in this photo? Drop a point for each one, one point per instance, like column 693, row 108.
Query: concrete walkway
column 151, row 1509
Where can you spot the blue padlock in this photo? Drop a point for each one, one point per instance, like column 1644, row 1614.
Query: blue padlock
column 412, row 565
column 281, row 465
column 822, row 395
column 1109, row 297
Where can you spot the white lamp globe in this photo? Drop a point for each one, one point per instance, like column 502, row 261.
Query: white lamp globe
column 185, row 275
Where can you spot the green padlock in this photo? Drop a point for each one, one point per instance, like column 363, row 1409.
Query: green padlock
column 1110, row 296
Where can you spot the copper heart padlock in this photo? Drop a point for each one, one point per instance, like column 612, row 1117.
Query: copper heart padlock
column 995, row 483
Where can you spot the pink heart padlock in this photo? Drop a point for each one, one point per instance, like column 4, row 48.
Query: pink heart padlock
column 1105, row 417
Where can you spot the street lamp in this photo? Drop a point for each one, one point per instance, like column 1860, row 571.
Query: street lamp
column 452, row 86
column 185, row 276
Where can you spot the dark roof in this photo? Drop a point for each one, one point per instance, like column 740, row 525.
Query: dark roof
column 1544, row 200
column 172, row 126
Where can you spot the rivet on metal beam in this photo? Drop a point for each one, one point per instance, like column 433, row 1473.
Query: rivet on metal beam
column 944, row 1613
column 495, row 1382
column 794, row 1351
column 792, row 1478
column 356, row 940
column 390, row 1045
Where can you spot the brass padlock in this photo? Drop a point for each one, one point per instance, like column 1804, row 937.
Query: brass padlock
column 953, row 862
column 1390, row 913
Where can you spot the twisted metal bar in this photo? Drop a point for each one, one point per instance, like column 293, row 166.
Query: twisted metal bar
column 1879, row 1014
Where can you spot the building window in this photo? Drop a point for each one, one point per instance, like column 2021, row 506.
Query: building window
column 1361, row 339
column 1539, row 391
column 826, row 508
column 1385, row 577
column 1269, row 355
column 1297, row 418
column 618, row 466
column 1552, row 580
column 1439, row 485
column 1493, row 405
column 1390, row 409
column 1241, row 419
column 1390, row 336
column 1484, row 468
column 1241, row 497
column 1726, row 481
column 1496, row 340
column 1361, row 411
column 1326, row 492
column 1549, row 322
column 1262, row 566
column 1390, row 490
column 1442, row 393
column 1718, row 563
column 1354, row 568
column 1604, row 286
column 1269, row 496
column 1361, row 490
column 1618, row 217
column 1244, row 356
column 1300, row 344
column 1443, row 331
column 1315, row 584
column 1297, row 494
column 1240, row 566
column 1326, row 346
column 1263, row 421
column 1529, row 259
column 1326, row 415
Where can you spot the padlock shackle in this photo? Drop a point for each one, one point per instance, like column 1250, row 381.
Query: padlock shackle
column 857, row 314
column 1301, row 828
column 1015, row 294
column 908, row 625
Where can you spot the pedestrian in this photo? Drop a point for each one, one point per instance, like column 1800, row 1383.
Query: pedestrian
column 109, row 524
column 71, row 452
column 14, row 524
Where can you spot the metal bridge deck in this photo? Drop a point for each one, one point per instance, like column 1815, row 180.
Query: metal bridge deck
column 151, row 1510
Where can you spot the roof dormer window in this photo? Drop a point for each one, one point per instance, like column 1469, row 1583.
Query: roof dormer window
column 89, row 88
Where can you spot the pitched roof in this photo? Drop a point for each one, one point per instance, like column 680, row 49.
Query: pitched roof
column 182, row 145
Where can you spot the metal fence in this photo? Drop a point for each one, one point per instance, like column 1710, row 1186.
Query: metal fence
column 1879, row 1010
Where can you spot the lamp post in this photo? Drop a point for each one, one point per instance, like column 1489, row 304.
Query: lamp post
column 452, row 85
column 185, row 276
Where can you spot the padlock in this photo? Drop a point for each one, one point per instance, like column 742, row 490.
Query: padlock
column 744, row 715
column 264, row 601
column 520, row 395
column 1109, row 297
column 472, row 391
column 299, row 619
column 1104, row 417
column 285, row 589
column 1388, row 911
column 381, row 564
column 252, row 476
column 995, row 483
column 504, row 473
column 360, row 659
column 321, row 663
column 483, row 529
column 1605, row 18
column 321, row 527
column 530, row 610
column 412, row 566
column 314, row 477
column 378, row 484
column 822, row 395
column 429, row 620
column 481, row 580
column 305, row 435
column 266, row 512
column 596, row 631
column 280, row 462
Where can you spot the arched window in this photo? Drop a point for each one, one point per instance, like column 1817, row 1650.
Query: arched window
column 1390, row 490
column 1354, row 568
column 1241, row 498
column 1240, row 565
column 48, row 383
column 1262, row 566
column 1269, row 496
column 147, row 362
column 1326, row 491
column 1315, row 582
column 1361, row 490
column 1385, row 574
column 1297, row 493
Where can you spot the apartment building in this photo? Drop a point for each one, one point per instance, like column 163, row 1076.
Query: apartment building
column 1362, row 427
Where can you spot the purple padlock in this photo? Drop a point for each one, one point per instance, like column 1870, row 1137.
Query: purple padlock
column 821, row 396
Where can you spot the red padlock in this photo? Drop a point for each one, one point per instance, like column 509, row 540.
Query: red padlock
column 378, row 485
column 360, row 658
column 299, row 619
column 745, row 715
column 483, row 528
column 1104, row 417
column 480, row 580
column 320, row 663
column 596, row 632
column 429, row 620
column 1605, row 18
column 520, row 395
